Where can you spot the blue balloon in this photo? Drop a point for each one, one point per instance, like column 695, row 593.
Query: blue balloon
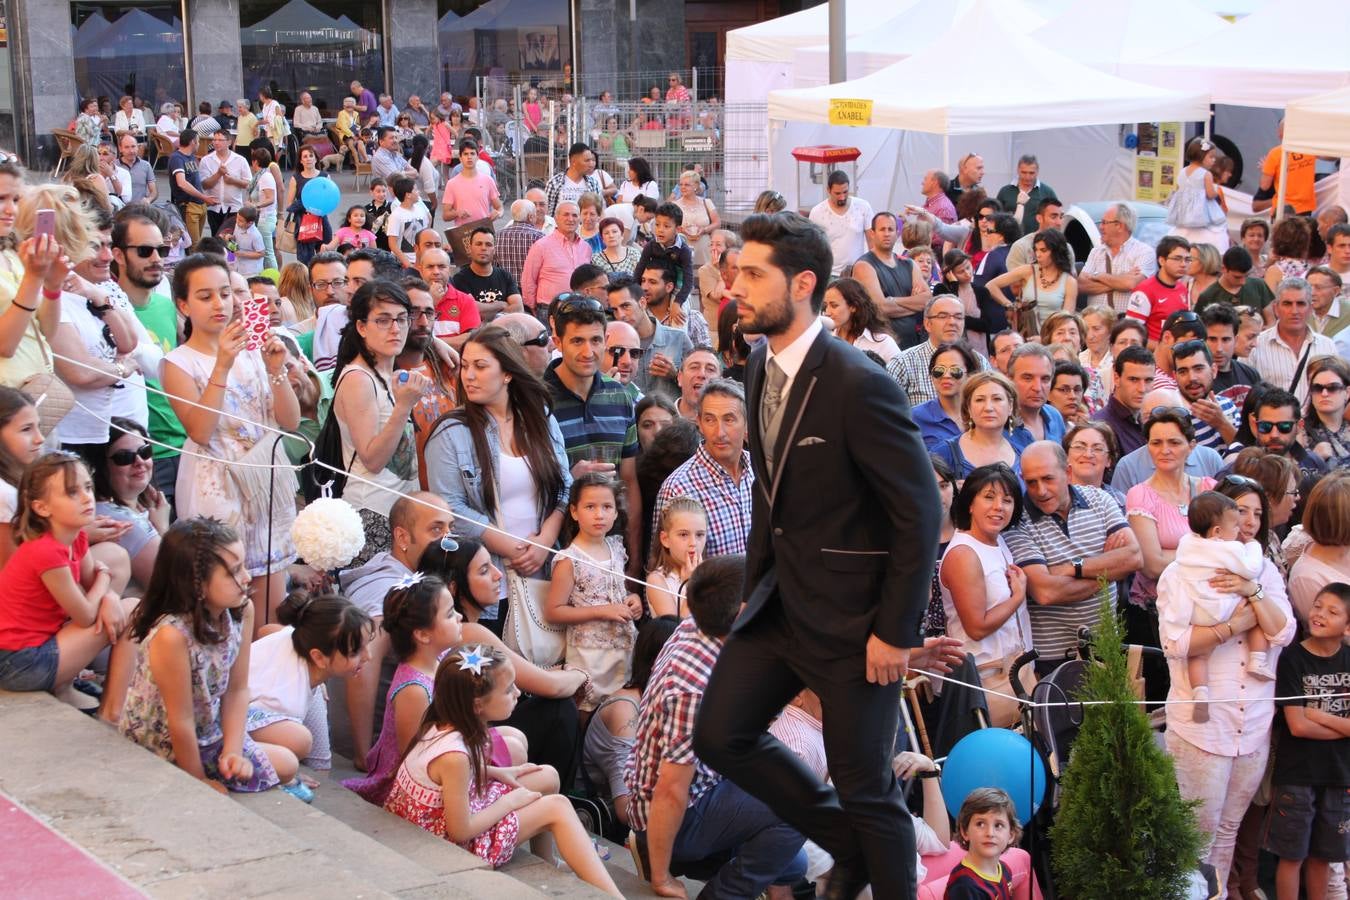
column 994, row 757
column 320, row 196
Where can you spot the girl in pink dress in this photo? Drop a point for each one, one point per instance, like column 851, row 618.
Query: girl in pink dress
column 446, row 785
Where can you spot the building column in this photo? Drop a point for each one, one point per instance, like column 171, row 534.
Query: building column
column 215, row 53
column 44, row 72
column 607, row 41
column 414, row 56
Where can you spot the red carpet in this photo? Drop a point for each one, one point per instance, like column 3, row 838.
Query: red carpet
column 36, row 862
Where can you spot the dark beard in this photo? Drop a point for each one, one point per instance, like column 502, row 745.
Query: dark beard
column 774, row 320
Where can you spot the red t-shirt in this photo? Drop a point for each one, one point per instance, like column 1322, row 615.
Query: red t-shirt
column 29, row 614
column 456, row 313
column 1152, row 302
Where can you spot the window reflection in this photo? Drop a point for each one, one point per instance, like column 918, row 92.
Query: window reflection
column 527, row 39
column 132, row 50
column 320, row 47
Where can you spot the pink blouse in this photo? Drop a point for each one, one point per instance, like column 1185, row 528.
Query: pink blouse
column 1143, row 500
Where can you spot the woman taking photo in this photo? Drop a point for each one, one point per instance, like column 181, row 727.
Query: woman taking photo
column 373, row 408
column 1048, row 284
column 639, row 180
column 500, row 460
column 1092, row 451
column 1220, row 762
column 1325, row 431
column 984, row 595
column 856, row 319
column 615, row 257
column 943, row 419
column 987, row 403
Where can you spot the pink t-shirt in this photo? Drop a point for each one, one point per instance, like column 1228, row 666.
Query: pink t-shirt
column 348, row 235
column 475, row 194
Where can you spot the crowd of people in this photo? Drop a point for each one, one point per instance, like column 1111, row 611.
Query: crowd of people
column 548, row 448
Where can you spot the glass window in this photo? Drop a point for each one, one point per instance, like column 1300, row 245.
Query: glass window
column 320, row 47
column 135, row 51
column 527, row 41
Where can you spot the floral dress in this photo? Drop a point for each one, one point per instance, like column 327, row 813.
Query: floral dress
column 145, row 721
column 415, row 797
column 207, row 487
column 601, row 649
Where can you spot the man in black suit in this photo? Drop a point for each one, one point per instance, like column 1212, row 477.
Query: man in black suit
column 838, row 570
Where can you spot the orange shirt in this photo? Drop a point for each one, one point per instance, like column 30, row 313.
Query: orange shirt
column 1299, row 194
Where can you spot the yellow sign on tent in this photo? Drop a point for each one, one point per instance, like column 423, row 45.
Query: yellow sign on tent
column 851, row 112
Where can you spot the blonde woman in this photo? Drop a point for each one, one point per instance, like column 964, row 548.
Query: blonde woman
column 988, row 405
column 294, row 286
column 1096, row 358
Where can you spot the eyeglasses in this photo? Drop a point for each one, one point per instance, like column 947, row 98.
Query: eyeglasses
column 1180, row 259
column 1241, row 481
column 325, row 285
column 144, row 250
column 385, row 323
column 1105, row 222
column 127, row 457
column 944, row 317
column 1179, row 411
column 428, row 314
column 539, row 340
column 1087, row 449
column 449, row 544
column 1327, row 387
column 1268, row 427
column 947, row 372
column 634, row 353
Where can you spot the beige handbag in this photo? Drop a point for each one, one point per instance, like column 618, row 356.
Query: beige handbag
column 526, row 631
column 52, row 397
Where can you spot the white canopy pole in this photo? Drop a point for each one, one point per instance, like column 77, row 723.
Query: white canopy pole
column 838, row 31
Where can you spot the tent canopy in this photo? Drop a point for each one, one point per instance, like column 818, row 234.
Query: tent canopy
column 1319, row 125
column 1281, row 52
column 774, row 40
column 1102, row 35
column 1036, row 89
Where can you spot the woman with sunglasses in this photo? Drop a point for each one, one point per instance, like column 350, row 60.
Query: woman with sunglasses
column 122, row 470
column 1220, row 763
column 944, row 419
column 1325, row 430
column 857, row 320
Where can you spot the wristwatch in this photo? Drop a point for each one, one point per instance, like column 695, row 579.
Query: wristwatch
column 1078, row 567
column 1258, row 595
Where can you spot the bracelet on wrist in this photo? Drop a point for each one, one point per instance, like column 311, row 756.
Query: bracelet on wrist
column 218, row 384
column 277, row 378
column 51, row 295
column 31, row 309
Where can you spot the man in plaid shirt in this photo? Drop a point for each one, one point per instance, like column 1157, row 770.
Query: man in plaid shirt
column 515, row 240
column 572, row 182
column 679, row 809
column 945, row 321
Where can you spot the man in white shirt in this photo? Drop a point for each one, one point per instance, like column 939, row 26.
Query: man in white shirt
column 224, row 175
column 845, row 220
column 1282, row 353
column 307, row 120
column 1120, row 264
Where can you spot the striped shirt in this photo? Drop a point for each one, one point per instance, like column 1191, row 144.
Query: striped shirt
column 513, row 245
column 1045, row 539
column 665, row 731
column 1205, row 435
column 603, row 420
column 1277, row 361
column 910, row 368
column 726, row 502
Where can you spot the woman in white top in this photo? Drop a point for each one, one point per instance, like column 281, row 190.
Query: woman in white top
column 700, row 216
column 373, row 405
column 639, row 181
column 263, row 195
column 129, row 118
column 983, row 593
column 167, row 124
column 856, row 319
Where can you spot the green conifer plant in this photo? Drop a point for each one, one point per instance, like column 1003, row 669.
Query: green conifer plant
column 1122, row 828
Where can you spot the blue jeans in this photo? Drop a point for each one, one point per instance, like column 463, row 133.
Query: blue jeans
column 30, row 669
column 726, row 818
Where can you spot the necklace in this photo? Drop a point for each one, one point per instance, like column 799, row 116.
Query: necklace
column 1046, row 284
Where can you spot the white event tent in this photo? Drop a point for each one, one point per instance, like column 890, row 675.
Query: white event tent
column 1041, row 102
column 1319, row 125
column 1104, row 35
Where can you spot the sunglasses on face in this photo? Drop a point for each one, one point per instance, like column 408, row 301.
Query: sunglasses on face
column 145, row 250
column 1327, row 387
column 948, row 371
column 1268, row 427
column 127, row 457
column 634, row 353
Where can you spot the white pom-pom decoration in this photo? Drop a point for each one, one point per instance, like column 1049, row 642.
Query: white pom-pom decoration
column 328, row 534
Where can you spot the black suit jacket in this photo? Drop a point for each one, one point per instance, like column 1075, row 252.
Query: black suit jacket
column 845, row 534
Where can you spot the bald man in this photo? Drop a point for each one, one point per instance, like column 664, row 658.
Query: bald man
column 623, row 348
column 456, row 312
column 533, row 337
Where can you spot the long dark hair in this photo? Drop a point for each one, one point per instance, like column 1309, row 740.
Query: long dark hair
column 329, row 623
column 643, row 170
column 1235, row 488
column 453, row 696
column 651, row 637
column 1058, row 245
column 419, row 151
column 407, row 609
column 187, row 559
column 98, row 460
column 12, row 401
column 528, row 400
column 863, row 314
column 452, row 567
column 352, row 344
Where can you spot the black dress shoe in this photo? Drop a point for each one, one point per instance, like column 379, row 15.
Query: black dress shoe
column 847, row 879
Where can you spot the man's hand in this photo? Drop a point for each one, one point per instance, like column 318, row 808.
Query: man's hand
column 885, row 664
column 938, row 654
column 1208, row 411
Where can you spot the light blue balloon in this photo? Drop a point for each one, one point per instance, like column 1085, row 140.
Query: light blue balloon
column 994, row 757
column 320, row 196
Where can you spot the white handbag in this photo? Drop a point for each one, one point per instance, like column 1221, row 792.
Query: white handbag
column 526, row 631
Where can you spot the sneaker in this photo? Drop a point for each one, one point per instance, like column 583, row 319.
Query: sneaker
column 1258, row 666
column 299, row 790
column 1200, row 706
column 637, row 845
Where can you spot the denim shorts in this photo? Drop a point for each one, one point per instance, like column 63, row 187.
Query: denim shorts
column 1309, row 821
column 30, row 669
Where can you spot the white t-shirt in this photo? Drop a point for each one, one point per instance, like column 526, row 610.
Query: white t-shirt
column 249, row 239
column 628, row 190
column 518, row 503
column 406, row 223
column 846, row 232
column 278, row 678
column 428, row 179
column 86, row 422
column 571, row 190
column 266, row 182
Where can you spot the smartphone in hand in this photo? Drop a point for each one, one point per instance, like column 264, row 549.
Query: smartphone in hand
column 257, row 316
column 44, row 223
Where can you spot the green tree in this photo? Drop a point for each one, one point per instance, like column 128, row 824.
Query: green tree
column 1122, row 829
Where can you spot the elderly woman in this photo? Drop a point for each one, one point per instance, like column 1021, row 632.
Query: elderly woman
column 857, row 320
column 1220, row 763
column 700, row 216
column 1092, row 451
column 122, row 471
column 1096, row 358
column 984, row 595
column 1325, row 431
column 1204, row 271
column 943, row 419
column 1326, row 523
column 988, row 402
column 615, row 257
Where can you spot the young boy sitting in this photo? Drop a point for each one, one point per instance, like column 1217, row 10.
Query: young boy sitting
column 1312, row 759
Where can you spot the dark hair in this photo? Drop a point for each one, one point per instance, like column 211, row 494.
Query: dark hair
column 1206, row 510
column 714, row 594
column 651, row 637
column 420, row 145
column 351, row 345
column 1192, row 347
column 1197, row 149
column 529, row 401
column 604, row 480
column 187, row 560
column 978, row 480
column 968, row 355
column 607, row 222
column 1340, row 590
column 1136, row 355
column 836, row 178
column 1235, row 488
column 1047, row 202
column 1221, row 313
column 328, row 257
column 883, row 214
column 132, row 213
column 1007, row 227
column 402, row 186
column 1184, row 323
column 190, row 265
column 1292, row 238
column 1071, row 369
column 212, row 245
column 1058, row 247
column 1172, row 417
column 453, row 696
column 578, row 147
column 482, row 229
column 646, row 204
column 466, row 144
column 942, row 470
column 408, row 609
column 729, row 337
column 1277, row 398
column 12, row 400
column 97, row 458
column 1129, row 324
column 262, row 156
column 1236, row 259
column 1270, row 470
column 986, row 800
column 642, row 169
column 452, row 567
column 863, row 313
column 584, row 273
column 1168, row 244
column 329, row 623
column 672, row 212
column 248, row 213
column 796, row 245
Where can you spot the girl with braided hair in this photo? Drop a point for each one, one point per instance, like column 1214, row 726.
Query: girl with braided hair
column 189, row 689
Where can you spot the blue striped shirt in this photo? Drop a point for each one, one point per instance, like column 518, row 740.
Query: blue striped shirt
column 604, row 419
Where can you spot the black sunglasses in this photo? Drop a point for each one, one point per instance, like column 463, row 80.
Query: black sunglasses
column 539, row 340
column 1326, row 387
column 1179, row 411
column 571, row 303
column 634, row 353
column 1268, row 427
column 144, row 250
column 1241, row 481
column 127, row 457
